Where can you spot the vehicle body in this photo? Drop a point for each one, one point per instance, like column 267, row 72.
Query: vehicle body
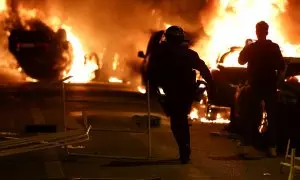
column 41, row 53
column 229, row 78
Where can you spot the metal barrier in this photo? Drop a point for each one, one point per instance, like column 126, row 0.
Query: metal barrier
column 290, row 155
column 96, row 154
column 18, row 145
column 154, row 178
column 42, row 142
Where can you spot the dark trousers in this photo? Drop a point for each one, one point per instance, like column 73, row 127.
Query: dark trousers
column 178, row 111
column 254, row 115
column 181, row 132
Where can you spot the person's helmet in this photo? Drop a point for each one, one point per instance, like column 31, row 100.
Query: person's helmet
column 174, row 34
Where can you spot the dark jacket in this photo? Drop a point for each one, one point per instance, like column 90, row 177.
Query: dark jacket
column 264, row 60
column 171, row 67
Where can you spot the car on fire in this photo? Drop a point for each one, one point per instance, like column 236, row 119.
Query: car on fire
column 42, row 53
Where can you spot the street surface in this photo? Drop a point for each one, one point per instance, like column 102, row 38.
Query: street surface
column 212, row 157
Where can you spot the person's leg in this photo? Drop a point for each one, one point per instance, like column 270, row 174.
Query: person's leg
column 250, row 117
column 174, row 128
column 180, row 129
column 270, row 105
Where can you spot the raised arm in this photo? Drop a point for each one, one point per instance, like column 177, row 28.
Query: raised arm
column 244, row 55
column 279, row 61
column 200, row 65
column 280, row 65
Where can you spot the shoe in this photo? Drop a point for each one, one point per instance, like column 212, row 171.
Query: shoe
column 272, row 152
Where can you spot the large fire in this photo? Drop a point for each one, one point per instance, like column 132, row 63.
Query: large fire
column 235, row 21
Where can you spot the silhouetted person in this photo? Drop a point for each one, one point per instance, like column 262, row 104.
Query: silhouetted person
column 265, row 62
column 171, row 67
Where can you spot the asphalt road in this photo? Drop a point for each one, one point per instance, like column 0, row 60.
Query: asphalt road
column 212, row 157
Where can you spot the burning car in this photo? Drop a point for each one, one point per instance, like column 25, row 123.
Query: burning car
column 41, row 53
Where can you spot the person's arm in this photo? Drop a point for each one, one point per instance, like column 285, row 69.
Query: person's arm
column 244, row 55
column 280, row 65
column 200, row 65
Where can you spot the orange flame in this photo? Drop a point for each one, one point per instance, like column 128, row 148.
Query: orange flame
column 232, row 28
column 194, row 114
column 167, row 25
column 297, row 77
column 81, row 70
column 115, row 62
column 115, row 80
column 142, row 89
column 219, row 120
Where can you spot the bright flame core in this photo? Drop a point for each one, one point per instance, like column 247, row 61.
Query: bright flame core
column 81, row 71
column 3, row 6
